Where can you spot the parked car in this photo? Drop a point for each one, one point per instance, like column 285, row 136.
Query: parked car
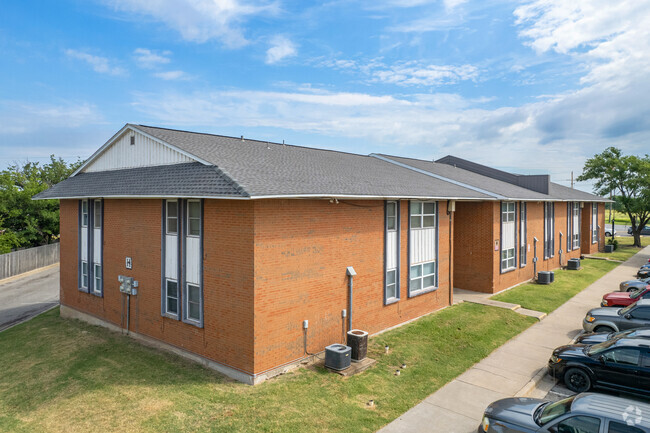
column 621, row 364
column 644, row 231
column 584, row 413
column 631, row 285
column 644, row 272
column 608, row 232
column 610, row 319
column 600, row 337
column 623, row 299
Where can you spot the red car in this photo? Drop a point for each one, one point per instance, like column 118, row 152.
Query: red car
column 623, row 299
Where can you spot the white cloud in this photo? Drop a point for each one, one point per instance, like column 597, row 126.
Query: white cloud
column 19, row 117
column 200, row 20
column 172, row 75
column 99, row 64
column 281, row 48
column 148, row 59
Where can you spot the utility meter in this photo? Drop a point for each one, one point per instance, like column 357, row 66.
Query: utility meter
column 126, row 285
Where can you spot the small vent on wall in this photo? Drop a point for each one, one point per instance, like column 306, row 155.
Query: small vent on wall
column 133, row 140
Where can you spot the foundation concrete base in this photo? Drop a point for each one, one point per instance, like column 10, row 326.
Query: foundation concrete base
column 250, row 379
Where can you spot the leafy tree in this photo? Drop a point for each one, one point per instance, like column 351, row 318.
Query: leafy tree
column 25, row 222
column 628, row 177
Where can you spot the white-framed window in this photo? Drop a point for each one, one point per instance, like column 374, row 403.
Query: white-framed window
column 193, row 306
column 508, row 259
column 508, row 235
column 391, row 276
column 171, row 297
column 549, row 230
column 84, row 274
column 523, row 245
column 594, row 223
column 575, row 229
column 97, row 277
column 193, row 217
column 97, row 214
column 84, row 213
column 423, row 215
column 423, row 276
column 172, row 217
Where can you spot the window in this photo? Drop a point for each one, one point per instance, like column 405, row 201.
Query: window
column 97, row 275
column 423, row 276
column 622, row 356
column 193, row 303
column 619, row 427
column 391, row 284
column 84, row 213
column 84, row 274
column 575, row 226
column 508, row 234
column 193, row 218
column 508, row 259
column 391, row 259
column 171, row 297
column 172, row 217
column 522, row 235
column 97, row 215
column 594, row 223
column 549, row 230
column 423, row 215
column 641, row 313
column 582, row 424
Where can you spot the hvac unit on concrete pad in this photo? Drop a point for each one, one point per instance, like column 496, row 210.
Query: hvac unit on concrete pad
column 545, row 277
column 358, row 341
column 573, row 264
column 337, row 356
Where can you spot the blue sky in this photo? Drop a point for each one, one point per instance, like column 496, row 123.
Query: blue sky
column 531, row 86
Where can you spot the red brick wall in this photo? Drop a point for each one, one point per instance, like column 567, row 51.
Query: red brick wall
column 587, row 247
column 133, row 228
column 474, row 248
column 302, row 249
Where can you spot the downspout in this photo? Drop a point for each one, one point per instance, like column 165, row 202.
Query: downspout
column 560, row 249
column 351, row 273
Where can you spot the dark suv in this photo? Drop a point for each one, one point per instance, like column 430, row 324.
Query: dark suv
column 621, row 364
column 584, row 413
column 608, row 319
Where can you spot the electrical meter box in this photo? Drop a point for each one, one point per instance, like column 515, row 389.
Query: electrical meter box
column 126, row 285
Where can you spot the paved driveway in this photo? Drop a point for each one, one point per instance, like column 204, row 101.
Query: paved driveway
column 23, row 297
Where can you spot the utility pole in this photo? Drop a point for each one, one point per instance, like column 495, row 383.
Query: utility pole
column 571, row 179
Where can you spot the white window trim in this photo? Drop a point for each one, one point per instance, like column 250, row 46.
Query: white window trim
column 167, row 217
column 575, row 228
column 594, row 222
column 189, row 219
column 395, row 216
column 186, row 303
column 97, row 276
column 97, row 207
column 422, row 289
column 422, row 214
column 509, row 214
column 85, row 278
column 167, row 312
column 85, row 215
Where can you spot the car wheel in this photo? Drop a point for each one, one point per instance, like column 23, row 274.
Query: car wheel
column 631, row 289
column 577, row 380
column 603, row 328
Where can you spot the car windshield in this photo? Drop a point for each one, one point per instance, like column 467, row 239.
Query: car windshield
column 624, row 311
column 548, row 412
column 600, row 347
column 621, row 334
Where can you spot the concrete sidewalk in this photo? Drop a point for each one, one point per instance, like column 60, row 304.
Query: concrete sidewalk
column 514, row 368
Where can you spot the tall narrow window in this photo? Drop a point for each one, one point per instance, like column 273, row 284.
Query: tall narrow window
column 523, row 243
column 84, row 274
column 193, row 297
column 91, row 246
column 193, row 218
column 594, row 223
column 171, row 247
column 575, row 225
column 171, row 301
column 391, row 259
column 172, row 217
column 549, row 230
column 193, row 259
column 508, row 234
column 423, row 240
column 84, row 213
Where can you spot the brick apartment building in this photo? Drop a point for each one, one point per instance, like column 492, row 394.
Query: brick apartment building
column 235, row 242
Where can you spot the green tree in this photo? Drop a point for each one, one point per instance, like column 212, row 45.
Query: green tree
column 25, row 222
column 626, row 176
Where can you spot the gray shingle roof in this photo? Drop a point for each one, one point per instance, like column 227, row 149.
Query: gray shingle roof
column 179, row 180
column 270, row 169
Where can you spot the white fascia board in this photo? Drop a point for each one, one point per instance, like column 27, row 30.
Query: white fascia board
column 134, row 128
column 262, row 197
column 436, row 176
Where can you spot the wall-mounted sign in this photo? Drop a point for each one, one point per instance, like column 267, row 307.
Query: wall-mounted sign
column 496, row 245
column 129, row 263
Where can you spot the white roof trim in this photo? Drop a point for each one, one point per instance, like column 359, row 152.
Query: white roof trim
column 134, row 128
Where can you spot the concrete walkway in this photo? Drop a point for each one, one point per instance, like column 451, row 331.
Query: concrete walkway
column 461, row 295
column 27, row 295
column 513, row 369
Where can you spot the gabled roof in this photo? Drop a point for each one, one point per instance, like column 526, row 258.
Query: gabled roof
column 230, row 167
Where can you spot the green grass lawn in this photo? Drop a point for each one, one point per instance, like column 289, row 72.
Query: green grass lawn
column 625, row 249
column 547, row 298
column 66, row 376
column 619, row 218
